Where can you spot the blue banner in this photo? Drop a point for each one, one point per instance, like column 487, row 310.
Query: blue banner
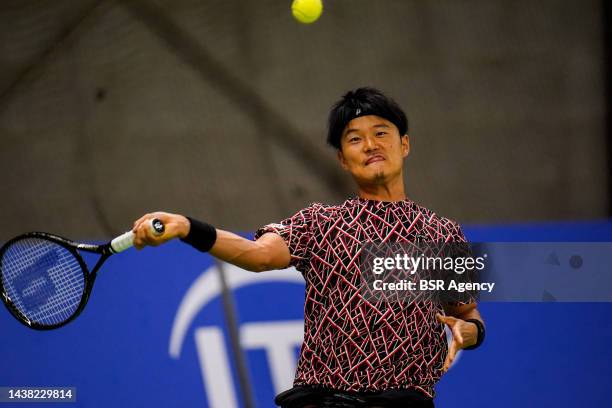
column 154, row 334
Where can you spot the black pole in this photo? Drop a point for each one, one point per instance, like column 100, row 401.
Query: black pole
column 607, row 65
column 231, row 318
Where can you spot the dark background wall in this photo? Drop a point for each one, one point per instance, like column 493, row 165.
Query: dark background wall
column 109, row 109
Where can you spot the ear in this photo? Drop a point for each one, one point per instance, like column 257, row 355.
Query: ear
column 405, row 145
column 342, row 160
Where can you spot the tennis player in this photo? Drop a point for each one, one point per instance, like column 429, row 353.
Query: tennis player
column 355, row 353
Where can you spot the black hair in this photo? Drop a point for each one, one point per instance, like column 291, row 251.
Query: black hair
column 361, row 102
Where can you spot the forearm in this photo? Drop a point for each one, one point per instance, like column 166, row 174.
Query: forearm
column 244, row 253
column 257, row 256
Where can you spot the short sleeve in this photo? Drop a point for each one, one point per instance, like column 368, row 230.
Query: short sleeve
column 455, row 232
column 461, row 248
column 296, row 231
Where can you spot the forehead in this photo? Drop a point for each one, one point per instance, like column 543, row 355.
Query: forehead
column 367, row 122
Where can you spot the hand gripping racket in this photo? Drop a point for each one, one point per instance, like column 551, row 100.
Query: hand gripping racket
column 44, row 281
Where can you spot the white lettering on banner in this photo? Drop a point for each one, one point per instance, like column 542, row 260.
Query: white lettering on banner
column 215, row 367
column 279, row 339
column 212, row 353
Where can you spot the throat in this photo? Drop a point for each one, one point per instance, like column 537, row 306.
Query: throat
column 381, row 192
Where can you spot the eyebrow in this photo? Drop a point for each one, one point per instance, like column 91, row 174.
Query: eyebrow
column 348, row 131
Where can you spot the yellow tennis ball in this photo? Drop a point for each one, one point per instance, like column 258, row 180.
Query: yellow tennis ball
column 307, row 11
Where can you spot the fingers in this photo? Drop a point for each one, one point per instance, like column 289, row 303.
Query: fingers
column 140, row 221
column 143, row 234
column 176, row 225
column 457, row 334
column 450, row 357
column 138, row 243
column 446, row 365
column 140, row 239
column 138, row 246
column 148, row 236
column 449, row 320
column 455, row 343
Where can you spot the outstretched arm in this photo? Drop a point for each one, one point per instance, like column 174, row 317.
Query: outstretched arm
column 269, row 252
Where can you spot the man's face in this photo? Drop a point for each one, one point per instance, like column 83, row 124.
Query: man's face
column 372, row 150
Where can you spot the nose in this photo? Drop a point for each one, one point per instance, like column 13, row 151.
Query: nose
column 370, row 144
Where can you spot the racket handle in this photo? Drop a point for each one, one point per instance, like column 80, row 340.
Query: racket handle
column 126, row 240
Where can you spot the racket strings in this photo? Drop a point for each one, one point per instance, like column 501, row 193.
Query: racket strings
column 43, row 280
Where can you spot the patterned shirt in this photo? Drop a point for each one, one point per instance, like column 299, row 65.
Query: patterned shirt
column 351, row 344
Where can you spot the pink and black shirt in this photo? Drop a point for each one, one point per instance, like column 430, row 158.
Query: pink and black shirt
column 351, row 344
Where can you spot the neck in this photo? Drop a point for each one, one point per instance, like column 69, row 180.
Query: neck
column 389, row 191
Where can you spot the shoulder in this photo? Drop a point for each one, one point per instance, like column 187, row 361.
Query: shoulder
column 431, row 220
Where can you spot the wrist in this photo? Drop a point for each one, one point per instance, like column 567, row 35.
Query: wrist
column 480, row 333
column 200, row 235
column 183, row 226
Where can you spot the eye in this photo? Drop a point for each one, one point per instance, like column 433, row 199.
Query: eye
column 353, row 139
column 381, row 133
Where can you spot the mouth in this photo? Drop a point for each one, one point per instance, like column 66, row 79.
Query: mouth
column 374, row 159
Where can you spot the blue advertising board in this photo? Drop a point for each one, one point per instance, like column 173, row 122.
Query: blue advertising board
column 154, row 334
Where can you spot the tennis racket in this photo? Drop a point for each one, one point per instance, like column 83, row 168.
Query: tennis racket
column 44, row 281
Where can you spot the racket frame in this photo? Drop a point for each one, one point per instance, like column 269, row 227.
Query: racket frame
column 89, row 277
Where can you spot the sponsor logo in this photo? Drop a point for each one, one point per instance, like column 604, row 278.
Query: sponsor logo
column 277, row 338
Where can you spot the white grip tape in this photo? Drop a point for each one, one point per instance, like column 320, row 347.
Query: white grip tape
column 126, row 240
column 123, row 242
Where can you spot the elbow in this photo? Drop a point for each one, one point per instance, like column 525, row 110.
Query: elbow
column 264, row 257
column 258, row 267
column 261, row 263
column 267, row 260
